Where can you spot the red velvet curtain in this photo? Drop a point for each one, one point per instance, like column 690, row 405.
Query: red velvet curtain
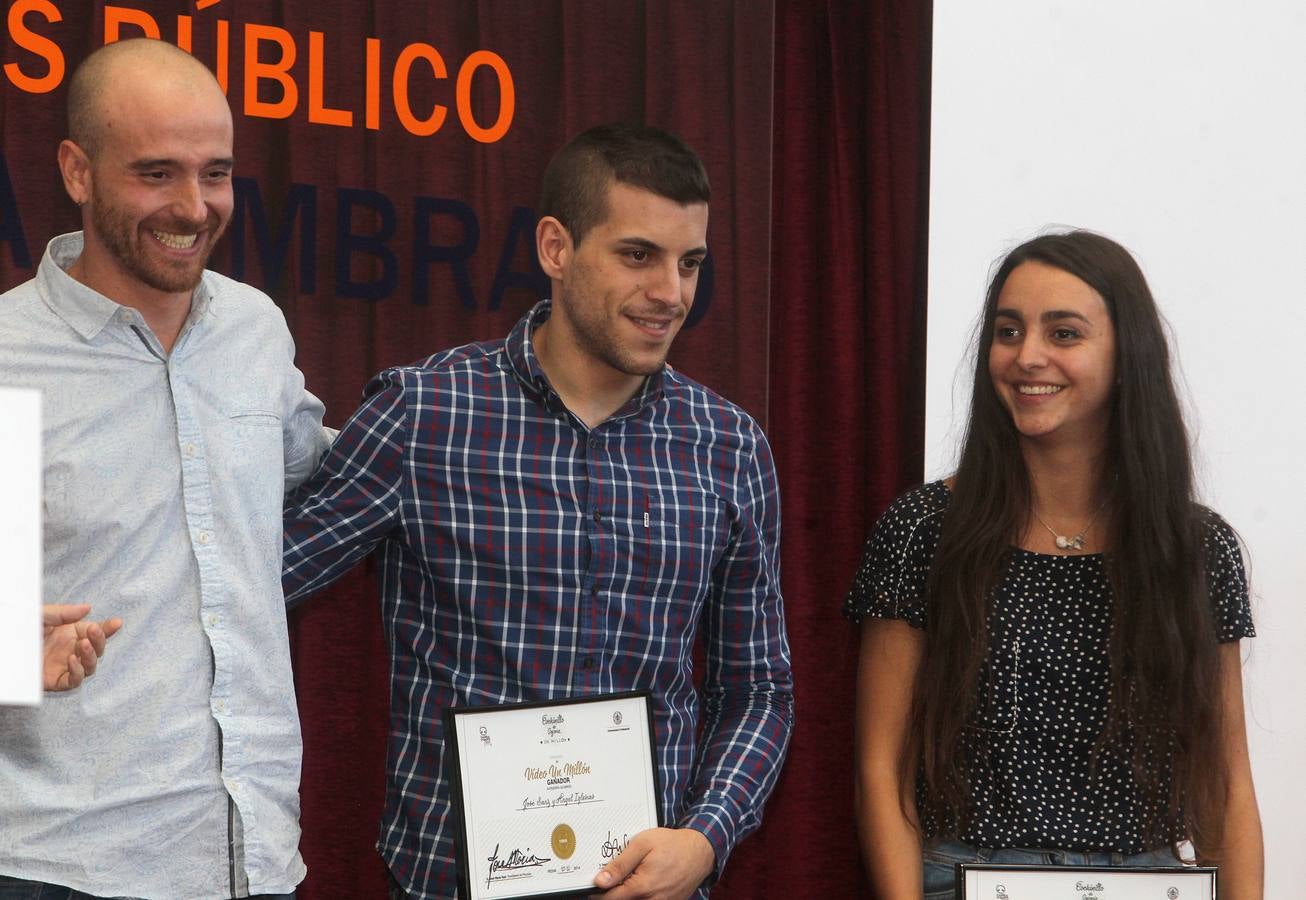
column 849, row 216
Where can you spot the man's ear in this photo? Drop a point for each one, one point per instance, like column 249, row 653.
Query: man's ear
column 75, row 166
column 553, row 246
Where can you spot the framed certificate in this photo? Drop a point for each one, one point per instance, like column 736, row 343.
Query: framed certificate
column 977, row 881
column 545, row 794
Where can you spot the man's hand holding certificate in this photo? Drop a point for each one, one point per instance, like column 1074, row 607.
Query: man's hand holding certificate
column 658, row 863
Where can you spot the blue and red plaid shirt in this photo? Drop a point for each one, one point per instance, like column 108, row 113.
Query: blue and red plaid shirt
column 524, row 556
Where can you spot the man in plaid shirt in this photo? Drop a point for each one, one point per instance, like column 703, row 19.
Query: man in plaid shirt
column 561, row 514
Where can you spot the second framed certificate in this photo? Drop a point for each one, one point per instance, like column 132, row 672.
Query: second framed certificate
column 547, row 793
column 977, row 881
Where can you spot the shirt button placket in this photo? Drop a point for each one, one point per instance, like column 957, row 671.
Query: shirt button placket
column 587, row 674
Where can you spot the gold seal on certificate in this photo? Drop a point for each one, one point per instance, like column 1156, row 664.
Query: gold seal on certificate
column 545, row 794
column 564, row 842
column 992, row 882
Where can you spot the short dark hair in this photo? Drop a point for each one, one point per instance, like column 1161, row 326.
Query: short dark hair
column 576, row 181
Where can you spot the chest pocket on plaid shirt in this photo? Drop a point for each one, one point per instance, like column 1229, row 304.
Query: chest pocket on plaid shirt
column 676, row 539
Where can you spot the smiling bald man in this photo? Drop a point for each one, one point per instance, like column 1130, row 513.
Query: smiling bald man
column 174, row 422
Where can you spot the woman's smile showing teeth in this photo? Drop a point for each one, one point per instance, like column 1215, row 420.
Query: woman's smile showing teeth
column 1051, row 355
column 175, row 241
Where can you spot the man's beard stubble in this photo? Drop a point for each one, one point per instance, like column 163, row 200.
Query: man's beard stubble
column 121, row 237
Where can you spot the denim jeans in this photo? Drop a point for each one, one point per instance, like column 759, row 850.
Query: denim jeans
column 940, row 859
column 17, row 889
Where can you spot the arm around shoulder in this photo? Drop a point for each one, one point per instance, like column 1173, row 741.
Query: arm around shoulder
column 304, row 437
column 354, row 499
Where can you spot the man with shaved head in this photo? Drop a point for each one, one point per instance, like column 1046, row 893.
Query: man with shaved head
column 174, row 421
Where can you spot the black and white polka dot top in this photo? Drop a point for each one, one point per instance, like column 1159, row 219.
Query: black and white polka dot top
column 1045, row 684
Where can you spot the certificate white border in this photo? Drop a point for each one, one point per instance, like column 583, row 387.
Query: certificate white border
column 20, row 546
column 466, row 725
column 1116, row 882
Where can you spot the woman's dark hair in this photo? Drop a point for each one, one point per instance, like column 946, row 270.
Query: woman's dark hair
column 1164, row 710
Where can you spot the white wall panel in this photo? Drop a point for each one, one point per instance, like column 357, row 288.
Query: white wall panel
column 1178, row 128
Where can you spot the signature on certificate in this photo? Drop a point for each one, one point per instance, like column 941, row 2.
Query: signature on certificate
column 516, row 859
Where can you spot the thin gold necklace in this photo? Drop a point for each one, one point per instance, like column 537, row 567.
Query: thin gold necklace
column 1071, row 543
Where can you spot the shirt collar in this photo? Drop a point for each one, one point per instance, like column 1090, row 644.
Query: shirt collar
column 526, row 367
column 87, row 311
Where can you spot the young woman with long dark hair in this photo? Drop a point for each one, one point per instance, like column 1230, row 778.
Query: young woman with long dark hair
column 1050, row 668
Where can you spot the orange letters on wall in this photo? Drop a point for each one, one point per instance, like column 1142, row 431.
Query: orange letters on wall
column 257, row 71
column 507, row 97
column 407, row 57
column 269, row 68
column 42, row 46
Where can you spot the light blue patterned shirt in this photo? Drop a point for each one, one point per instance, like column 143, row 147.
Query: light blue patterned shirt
column 164, row 478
